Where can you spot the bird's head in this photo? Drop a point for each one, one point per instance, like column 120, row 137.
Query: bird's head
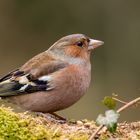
column 75, row 46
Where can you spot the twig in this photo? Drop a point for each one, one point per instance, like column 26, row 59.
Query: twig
column 116, row 99
column 96, row 132
column 128, row 104
column 119, row 110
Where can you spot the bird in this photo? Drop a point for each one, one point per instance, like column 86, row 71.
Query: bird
column 54, row 79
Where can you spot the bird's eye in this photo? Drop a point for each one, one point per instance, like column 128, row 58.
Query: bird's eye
column 80, row 43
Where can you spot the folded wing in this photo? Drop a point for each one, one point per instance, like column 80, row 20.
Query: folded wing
column 30, row 78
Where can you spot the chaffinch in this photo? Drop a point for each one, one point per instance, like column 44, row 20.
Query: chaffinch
column 54, row 79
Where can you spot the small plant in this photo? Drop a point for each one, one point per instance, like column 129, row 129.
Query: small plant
column 109, row 120
column 109, row 102
column 111, row 116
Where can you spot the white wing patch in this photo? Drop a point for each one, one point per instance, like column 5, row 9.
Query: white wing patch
column 23, row 88
column 45, row 78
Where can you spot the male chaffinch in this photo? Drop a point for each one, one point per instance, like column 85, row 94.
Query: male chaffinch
column 54, row 79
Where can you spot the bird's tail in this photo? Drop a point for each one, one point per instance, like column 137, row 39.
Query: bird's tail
column 7, row 88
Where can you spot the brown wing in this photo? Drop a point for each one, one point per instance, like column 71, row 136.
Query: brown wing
column 31, row 77
column 42, row 64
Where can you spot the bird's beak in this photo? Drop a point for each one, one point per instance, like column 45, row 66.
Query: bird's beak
column 94, row 44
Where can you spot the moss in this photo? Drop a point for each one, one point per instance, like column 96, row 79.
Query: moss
column 13, row 126
column 23, row 126
column 27, row 126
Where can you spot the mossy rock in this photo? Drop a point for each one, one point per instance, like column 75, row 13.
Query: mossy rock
column 25, row 126
column 28, row 126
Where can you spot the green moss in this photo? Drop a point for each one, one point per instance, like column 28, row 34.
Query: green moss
column 23, row 126
column 26, row 126
column 13, row 126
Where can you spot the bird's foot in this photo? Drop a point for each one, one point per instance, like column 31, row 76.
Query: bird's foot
column 59, row 118
column 52, row 116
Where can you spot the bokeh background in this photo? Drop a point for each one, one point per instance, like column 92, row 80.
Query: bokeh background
column 28, row 27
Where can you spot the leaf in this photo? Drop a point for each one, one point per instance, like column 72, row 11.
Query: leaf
column 112, row 128
column 109, row 102
column 109, row 120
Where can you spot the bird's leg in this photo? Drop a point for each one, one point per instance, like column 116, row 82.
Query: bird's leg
column 53, row 116
column 57, row 116
column 43, row 115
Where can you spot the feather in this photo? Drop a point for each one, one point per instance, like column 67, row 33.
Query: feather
column 7, row 76
column 21, row 85
column 25, row 81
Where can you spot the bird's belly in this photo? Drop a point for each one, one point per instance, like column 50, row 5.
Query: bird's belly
column 70, row 88
column 47, row 102
column 50, row 101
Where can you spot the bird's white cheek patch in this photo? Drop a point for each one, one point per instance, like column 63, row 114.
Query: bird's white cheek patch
column 45, row 78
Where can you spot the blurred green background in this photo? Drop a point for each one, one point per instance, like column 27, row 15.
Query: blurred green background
column 28, row 27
